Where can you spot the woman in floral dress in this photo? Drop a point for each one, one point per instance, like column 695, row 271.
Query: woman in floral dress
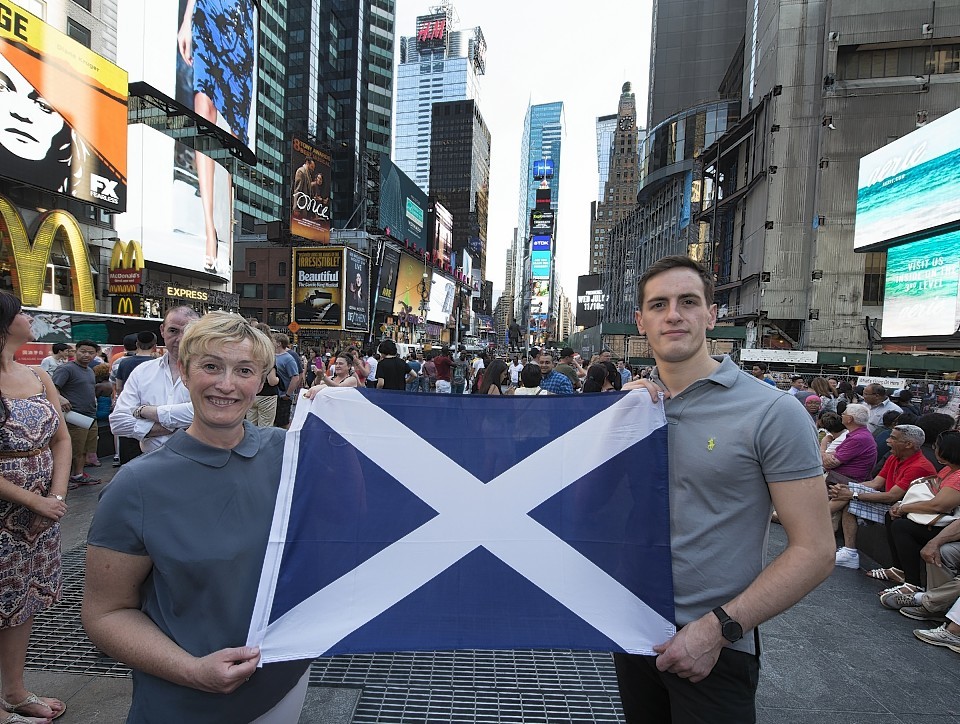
column 34, row 465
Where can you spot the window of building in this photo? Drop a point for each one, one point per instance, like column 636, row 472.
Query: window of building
column 78, row 32
column 252, row 269
column 282, row 269
column 276, row 291
column 85, row 4
column 874, row 278
column 250, row 291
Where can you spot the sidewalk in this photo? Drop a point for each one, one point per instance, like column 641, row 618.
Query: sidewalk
column 836, row 657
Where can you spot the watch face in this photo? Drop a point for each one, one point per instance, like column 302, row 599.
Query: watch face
column 732, row 631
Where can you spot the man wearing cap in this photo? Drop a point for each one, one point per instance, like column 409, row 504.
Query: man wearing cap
column 567, row 366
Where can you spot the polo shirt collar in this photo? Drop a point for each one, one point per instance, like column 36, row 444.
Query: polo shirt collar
column 215, row 457
column 726, row 374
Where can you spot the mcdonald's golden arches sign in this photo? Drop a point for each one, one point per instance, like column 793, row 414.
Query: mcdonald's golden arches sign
column 126, row 268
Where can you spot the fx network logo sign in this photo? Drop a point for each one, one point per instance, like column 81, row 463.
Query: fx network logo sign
column 104, row 189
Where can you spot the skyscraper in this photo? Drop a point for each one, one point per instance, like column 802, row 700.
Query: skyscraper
column 438, row 64
column 606, row 129
column 460, row 175
column 543, row 131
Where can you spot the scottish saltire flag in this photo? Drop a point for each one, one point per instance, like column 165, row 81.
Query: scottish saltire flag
column 424, row 522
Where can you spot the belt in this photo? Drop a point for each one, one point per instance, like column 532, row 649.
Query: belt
column 23, row 453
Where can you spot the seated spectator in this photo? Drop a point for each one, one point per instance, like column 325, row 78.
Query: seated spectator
column 871, row 500
column 530, row 377
column 908, row 537
column 831, row 432
column 855, row 456
column 947, row 635
column 812, row 405
column 876, row 398
column 903, row 399
column 846, row 396
column 828, row 401
column 942, row 556
column 932, row 424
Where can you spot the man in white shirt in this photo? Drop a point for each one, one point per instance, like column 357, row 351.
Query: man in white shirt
column 154, row 402
column 61, row 354
column 876, row 397
column 515, row 367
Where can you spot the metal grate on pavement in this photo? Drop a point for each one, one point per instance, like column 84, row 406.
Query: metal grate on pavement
column 520, row 686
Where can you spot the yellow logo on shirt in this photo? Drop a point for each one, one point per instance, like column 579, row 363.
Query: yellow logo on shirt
column 711, row 444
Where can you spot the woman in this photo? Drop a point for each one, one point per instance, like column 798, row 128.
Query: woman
column 177, row 543
column 496, row 379
column 35, row 458
column 812, row 405
column 530, row 378
column 343, row 375
column 218, row 40
column 834, row 432
column 847, row 396
column 907, row 537
column 828, row 403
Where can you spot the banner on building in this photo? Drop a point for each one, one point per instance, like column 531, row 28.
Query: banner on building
column 318, row 287
column 403, row 206
column 523, row 538
column 356, row 305
column 310, row 205
column 387, row 286
column 65, row 113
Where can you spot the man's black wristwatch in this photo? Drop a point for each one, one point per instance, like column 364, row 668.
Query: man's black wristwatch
column 731, row 630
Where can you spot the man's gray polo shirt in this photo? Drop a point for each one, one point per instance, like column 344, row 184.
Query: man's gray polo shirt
column 729, row 435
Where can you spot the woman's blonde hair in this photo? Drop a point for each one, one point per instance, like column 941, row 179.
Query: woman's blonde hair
column 216, row 328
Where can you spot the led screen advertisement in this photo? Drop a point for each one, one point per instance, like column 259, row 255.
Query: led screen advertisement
column 922, row 291
column 64, row 112
column 199, row 54
column 442, row 292
column 356, row 303
column 590, row 300
column 540, row 264
column 431, row 32
column 540, row 306
column 909, row 185
column 408, row 292
column 387, row 286
column 442, row 242
column 310, row 205
column 403, row 206
column 318, row 287
column 167, row 207
column 543, row 169
column 541, row 223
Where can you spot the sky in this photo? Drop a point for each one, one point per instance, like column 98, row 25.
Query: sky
column 541, row 52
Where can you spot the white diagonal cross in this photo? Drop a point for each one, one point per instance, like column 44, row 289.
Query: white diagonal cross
column 470, row 514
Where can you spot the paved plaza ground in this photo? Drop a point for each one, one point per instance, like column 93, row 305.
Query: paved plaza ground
column 838, row 656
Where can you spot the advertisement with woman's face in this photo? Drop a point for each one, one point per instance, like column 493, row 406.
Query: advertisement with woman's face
column 62, row 114
column 200, row 54
column 357, row 274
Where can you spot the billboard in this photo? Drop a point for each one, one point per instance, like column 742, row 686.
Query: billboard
column 318, row 287
column 431, row 32
column 541, row 223
column 408, row 293
column 540, row 264
column 541, row 243
column 403, row 205
column 356, row 302
column 387, row 285
column 909, row 185
column 442, row 294
column 922, row 291
column 543, row 169
column 442, row 242
column 177, row 221
column 64, row 110
column 590, row 300
column 310, row 203
column 200, row 54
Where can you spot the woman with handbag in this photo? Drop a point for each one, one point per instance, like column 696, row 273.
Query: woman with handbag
column 929, row 504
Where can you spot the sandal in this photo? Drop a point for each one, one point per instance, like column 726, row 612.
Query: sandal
column 894, row 575
column 32, row 700
column 17, row 719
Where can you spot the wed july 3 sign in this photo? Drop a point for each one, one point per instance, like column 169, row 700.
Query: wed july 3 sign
column 407, row 522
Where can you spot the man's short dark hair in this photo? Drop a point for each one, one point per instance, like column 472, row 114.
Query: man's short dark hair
column 876, row 389
column 678, row 261
column 794, row 378
column 566, row 352
column 60, row 347
column 146, row 340
column 762, row 366
column 388, row 347
column 545, row 353
column 87, row 343
column 130, row 343
column 530, row 375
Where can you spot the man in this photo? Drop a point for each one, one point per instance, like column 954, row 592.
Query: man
column 876, row 397
column 734, row 446
column 568, row 367
column 145, row 350
column 393, row 370
column 761, row 371
column 443, row 363
column 625, row 374
column 605, row 356
column 154, row 402
column 289, row 373
column 303, row 178
column 552, row 381
column 798, row 386
column 60, row 356
column 414, row 365
column 903, row 400
column 460, row 371
column 872, row 499
column 516, row 336
column 856, row 455
column 76, row 383
column 515, row 366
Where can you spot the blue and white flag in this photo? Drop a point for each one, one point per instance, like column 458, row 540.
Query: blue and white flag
column 415, row 522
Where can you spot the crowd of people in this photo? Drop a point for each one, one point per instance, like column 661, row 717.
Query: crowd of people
column 172, row 595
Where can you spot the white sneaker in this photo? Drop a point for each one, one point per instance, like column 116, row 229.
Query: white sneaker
column 848, row 558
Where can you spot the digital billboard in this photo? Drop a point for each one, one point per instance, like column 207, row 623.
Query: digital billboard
column 590, row 300
column 922, row 292
column 63, row 111
column 541, row 223
column 356, row 303
column 441, row 245
column 543, row 169
column 540, row 243
column 540, row 264
column 410, row 275
column 540, row 306
column 387, row 285
column 200, row 54
column 403, row 205
column 909, row 185
column 175, row 219
column 310, row 203
column 318, row 287
column 442, row 292
column 431, row 32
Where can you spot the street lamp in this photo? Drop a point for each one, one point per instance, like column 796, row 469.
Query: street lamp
column 424, row 288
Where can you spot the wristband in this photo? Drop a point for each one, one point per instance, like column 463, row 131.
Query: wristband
column 137, row 411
